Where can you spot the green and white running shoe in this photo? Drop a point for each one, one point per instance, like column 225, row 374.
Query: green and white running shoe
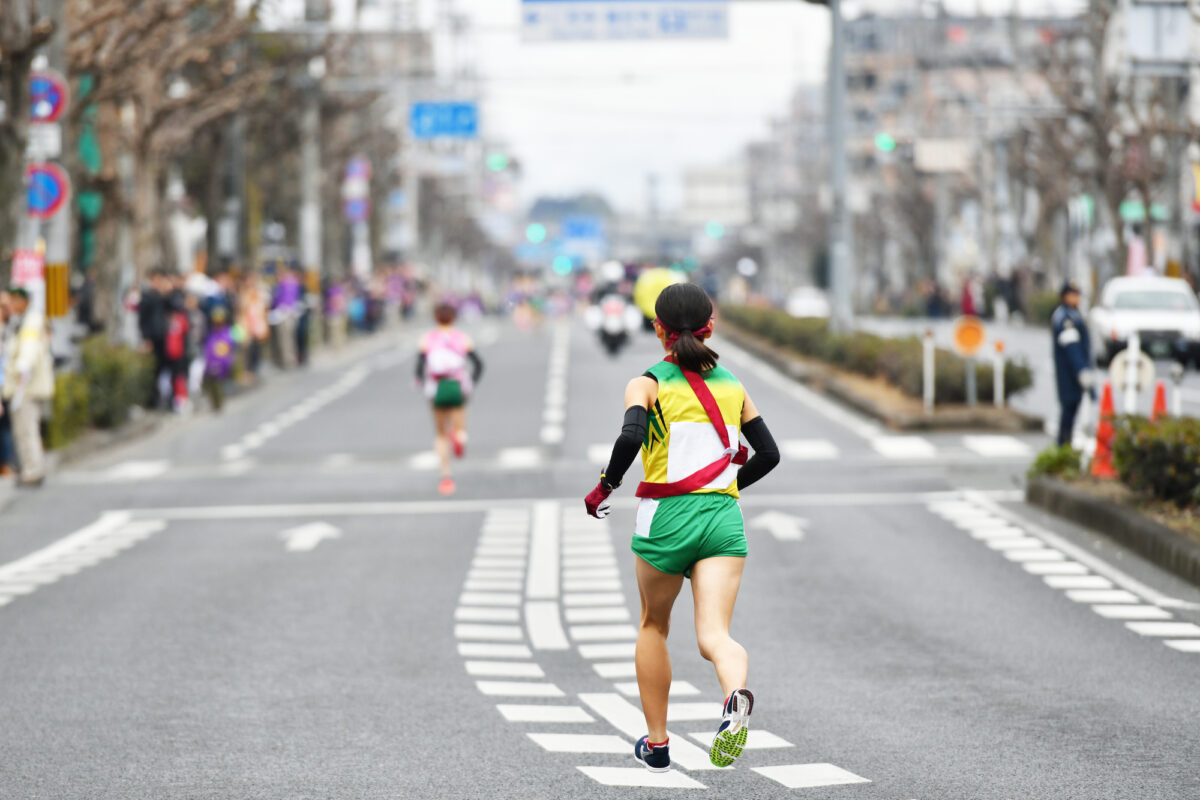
column 730, row 741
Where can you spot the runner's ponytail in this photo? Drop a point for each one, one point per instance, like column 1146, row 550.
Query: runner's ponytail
column 685, row 312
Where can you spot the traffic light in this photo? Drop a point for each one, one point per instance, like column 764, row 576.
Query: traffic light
column 885, row 142
column 497, row 162
column 714, row 230
column 562, row 265
column 536, row 233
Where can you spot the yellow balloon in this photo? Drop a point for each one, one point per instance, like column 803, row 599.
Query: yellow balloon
column 650, row 285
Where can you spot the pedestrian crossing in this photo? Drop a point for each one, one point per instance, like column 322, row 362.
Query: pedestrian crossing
column 563, row 591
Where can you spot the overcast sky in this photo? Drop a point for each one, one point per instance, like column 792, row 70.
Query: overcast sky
column 601, row 116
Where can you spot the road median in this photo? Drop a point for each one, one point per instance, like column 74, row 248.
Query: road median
column 874, row 396
column 1114, row 514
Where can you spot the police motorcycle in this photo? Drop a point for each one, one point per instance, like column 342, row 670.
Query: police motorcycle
column 612, row 315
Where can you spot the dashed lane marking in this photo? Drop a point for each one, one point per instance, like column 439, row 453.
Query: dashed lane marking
column 758, row 739
column 592, row 598
column 616, row 669
column 580, row 742
column 543, row 713
column 638, row 776
column 594, row 633
column 1131, row 612
column 903, row 447
column 629, row 720
column 486, row 614
column 1164, row 628
column 1102, row 596
column 808, row 449
column 504, row 669
column 615, row 650
column 809, row 776
column 997, row 445
column 678, row 689
column 519, row 689
column 505, row 633
column 545, row 628
column 490, row 650
column 597, row 614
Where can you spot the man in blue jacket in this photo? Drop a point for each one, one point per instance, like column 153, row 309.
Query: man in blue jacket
column 1072, row 358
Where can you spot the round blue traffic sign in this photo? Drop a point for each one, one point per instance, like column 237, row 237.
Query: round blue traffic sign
column 48, row 96
column 357, row 209
column 47, row 190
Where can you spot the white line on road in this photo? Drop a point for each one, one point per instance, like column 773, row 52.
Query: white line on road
column 518, row 689
column 503, row 633
column 1125, row 611
column 638, row 776
column 543, row 713
column 808, row 449
column 504, row 669
column 597, row 614
column 580, row 743
column 489, row 650
column 997, row 445
column 594, row 633
column 545, row 628
column 486, row 614
column 1164, row 628
column 613, row 650
column 304, row 538
column 543, row 554
column 629, row 720
column 678, row 689
column 809, row 776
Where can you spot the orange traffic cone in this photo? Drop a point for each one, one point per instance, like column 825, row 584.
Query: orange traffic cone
column 1102, row 459
column 1160, row 402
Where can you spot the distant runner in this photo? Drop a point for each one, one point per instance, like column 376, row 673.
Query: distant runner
column 689, row 522
column 442, row 371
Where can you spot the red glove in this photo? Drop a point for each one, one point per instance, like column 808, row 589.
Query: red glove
column 597, row 501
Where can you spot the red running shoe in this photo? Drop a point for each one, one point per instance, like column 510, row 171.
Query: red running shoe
column 458, row 443
column 446, row 486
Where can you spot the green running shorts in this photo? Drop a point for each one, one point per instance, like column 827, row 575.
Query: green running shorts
column 674, row 533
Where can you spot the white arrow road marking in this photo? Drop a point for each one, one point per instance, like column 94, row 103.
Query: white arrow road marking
column 305, row 537
column 784, row 527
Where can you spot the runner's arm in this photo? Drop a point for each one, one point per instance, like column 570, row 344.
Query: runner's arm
column 639, row 396
column 476, row 366
column 766, row 452
column 421, row 366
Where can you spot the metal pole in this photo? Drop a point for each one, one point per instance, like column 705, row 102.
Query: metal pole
column 841, row 255
column 310, row 182
column 1134, row 355
column 998, row 376
column 929, row 354
column 972, row 391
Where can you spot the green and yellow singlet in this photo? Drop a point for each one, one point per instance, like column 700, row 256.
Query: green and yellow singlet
column 680, row 439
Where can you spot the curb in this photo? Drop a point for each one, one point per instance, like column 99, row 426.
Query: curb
column 1150, row 539
column 826, row 379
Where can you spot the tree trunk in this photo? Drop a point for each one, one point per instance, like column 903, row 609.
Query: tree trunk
column 146, row 247
column 13, row 134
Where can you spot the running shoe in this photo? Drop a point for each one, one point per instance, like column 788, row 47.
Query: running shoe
column 458, row 443
column 656, row 758
column 730, row 741
column 446, row 486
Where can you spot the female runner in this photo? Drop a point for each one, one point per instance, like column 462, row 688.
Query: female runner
column 685, row 414
column 442, row 370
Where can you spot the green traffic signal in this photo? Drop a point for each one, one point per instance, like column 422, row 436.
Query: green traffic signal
column 715, row 230
column 562, row 265
column 536, row 233
column 497, row 162
column 885, row 142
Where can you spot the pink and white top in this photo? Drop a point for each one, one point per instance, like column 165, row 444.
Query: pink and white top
column 445, row 351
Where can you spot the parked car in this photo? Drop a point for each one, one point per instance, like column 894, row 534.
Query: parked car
column 1163, row 311
column 808, row 302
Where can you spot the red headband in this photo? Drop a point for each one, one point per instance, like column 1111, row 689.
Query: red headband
column 673, row 335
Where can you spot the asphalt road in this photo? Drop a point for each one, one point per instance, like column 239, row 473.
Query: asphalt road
column 275, row 603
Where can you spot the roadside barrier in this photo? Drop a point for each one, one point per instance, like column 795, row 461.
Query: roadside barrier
column 1102, row 459
column 1159, row 411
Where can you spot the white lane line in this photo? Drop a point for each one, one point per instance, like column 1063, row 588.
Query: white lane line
column 629, row 720
column 232, row 452
column 590, row 574
column 638, row 776
column 553, row 434
column 827, row 408
column 1055, row 568
column 135, row 471
column 503, row 633
column 1014, row 543
column 1124, row 611
column 543, row 553
column 616, row 669
column 608, row 561
column 1097, row 564
column 1105, row 596
column 757, row 740
column 599, row 454
column 424, row 461
column 497, row 575
column 597, row 633
column 554, row 415
column 1006, row 532
column 809, row 776
column 808, row 449
column 1077, row 582
column 490, row 599
column 1164, row 628
column 997, row 445
column 504, row 669
column 519, row 458
column 678, row 689
column 580, row 742
column 1184, row 645
column 483, row 562
column 543, row 713
column 489, row 650
column 545, row 627
column 486, row 614
column 901, row 447
column 1033, row 554
column 488, row 585
column 593, row 599
column 695, row 712
column 518, row 689
column 616, row 650
column 597, row 614
column 499, row 551
column 610, row 585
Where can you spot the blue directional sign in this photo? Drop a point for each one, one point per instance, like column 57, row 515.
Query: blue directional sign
column 444, row 120
column 597, row 20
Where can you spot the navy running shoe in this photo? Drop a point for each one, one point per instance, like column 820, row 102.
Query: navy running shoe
column 730, row 741
column 656, row 758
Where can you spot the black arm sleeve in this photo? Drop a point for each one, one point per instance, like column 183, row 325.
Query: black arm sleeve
column 420, row 366
column 766, row 452
column 476, row 366
column 633, row 433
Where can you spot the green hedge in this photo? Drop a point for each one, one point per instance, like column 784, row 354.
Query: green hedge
column 898, row 361
column 71, row 413
column 1041, row 307
column 1161, row 458
column 118, row 378
column 1061, row 461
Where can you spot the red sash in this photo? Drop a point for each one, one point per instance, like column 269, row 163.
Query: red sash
column 707, row 475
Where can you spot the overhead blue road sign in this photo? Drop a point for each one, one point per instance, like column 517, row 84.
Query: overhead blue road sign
column 597, row 20
column 444, row 120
